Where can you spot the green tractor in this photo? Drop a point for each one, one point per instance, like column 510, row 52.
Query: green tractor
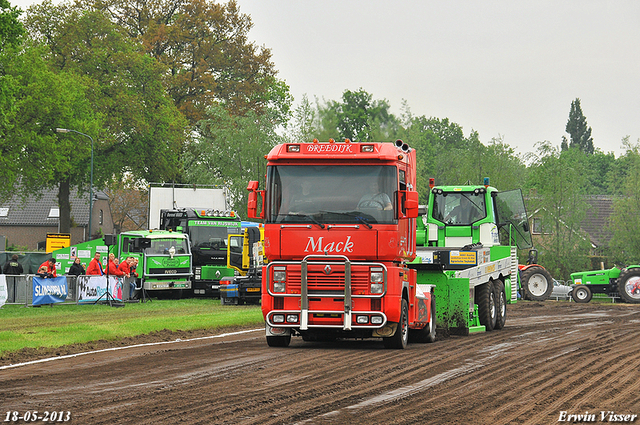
column 623, row 283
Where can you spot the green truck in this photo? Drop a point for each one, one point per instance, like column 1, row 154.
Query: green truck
column 164, row 258
column 623, row 283
column 208, row 230
column 466, row 254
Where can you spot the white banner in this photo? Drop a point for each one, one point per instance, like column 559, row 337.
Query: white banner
column 4, row 292
column 92, row 288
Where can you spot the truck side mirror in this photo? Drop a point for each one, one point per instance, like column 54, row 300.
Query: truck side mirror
column 411, row 207
column 252, row 205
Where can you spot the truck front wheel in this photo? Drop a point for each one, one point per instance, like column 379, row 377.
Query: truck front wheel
column 487, row 311
column 629, row 285
column 401, row 337
column 278, row 341
column 428, row 333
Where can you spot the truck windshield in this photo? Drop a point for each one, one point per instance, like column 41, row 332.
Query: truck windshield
column 360, row 194
column 459, row 208
column 208, row 237
column 163, row 246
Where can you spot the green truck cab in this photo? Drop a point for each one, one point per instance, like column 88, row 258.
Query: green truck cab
column 164, row 258
column 466, row 254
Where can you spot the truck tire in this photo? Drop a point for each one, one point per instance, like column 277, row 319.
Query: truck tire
column 486, row 300
column 400, row 339
column 428, row 333
column 629, row 285
column 501, row 304
column 537, row 283
column 581, row 294
column 278, row 341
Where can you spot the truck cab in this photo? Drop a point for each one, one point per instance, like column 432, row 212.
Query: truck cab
column 339, row 229
column 164, row 259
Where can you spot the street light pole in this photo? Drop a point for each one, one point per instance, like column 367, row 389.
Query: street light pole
column 66, row 130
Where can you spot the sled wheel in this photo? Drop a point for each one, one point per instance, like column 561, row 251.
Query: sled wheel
column 401, row 337
column 581, row 294
column 537, row 283
column 486, row 300
column 501, row 304
column 629, row 285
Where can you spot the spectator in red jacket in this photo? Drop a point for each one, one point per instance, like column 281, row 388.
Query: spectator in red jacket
column 113, row 267
column 95, row 266
column 50, row 264
column 125, row 266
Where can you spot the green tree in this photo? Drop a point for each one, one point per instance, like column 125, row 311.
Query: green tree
column 361, row 118
column 302, row 127
column 558, row 183
column 230, row 150
column 135, row 125
column 578, row 130
column 11, row 32
column 11, row 29
column 625, row 220
column 205, row 53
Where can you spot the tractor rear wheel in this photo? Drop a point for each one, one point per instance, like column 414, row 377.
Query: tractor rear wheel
column 537, row 283
column 501, row 304
column 486, row 300
column 581, row 294
column 629, row 285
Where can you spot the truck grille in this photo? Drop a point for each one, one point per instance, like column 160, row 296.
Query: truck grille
column 320, row 282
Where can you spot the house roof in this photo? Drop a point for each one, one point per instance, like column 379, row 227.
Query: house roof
column 37, row 210
column 597, row 219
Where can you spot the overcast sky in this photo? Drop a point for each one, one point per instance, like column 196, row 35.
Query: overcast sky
column 503, row 68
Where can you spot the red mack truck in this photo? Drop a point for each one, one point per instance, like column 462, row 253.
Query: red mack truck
column 339, row 231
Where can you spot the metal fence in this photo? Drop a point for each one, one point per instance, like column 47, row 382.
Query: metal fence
column 20, row 290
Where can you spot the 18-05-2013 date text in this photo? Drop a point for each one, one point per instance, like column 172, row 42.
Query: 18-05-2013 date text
column 36, row 416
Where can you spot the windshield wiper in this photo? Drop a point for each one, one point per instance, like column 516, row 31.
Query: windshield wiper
column 351, row 214
column 312, row 218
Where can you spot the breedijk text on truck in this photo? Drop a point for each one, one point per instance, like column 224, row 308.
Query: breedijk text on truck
column 339, row 231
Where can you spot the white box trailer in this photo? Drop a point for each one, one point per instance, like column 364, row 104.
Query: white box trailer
column 184, row 196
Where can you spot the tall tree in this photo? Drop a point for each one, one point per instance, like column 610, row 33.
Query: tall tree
column 578, row 130
column 11, row 32
column 204, row 50
column 11, row 29
column 134, row 124
column 361, row 118
column 625, row 220
column 302, row 127
column 559, row 184
column 230, row 150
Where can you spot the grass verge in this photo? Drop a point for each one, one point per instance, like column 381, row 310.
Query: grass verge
column 60, row 325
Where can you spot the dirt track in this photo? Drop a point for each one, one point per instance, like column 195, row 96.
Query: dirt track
column 551, row 357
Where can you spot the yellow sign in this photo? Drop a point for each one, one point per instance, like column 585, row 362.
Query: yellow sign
column 57, row 241
column 465, row 257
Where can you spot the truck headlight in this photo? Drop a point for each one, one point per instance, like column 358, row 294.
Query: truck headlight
column 376, row 320
column 278, row 318
column 376, row 288
column 363, row 320
column 292, row 318
column 279, row 279
column 377, row 277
